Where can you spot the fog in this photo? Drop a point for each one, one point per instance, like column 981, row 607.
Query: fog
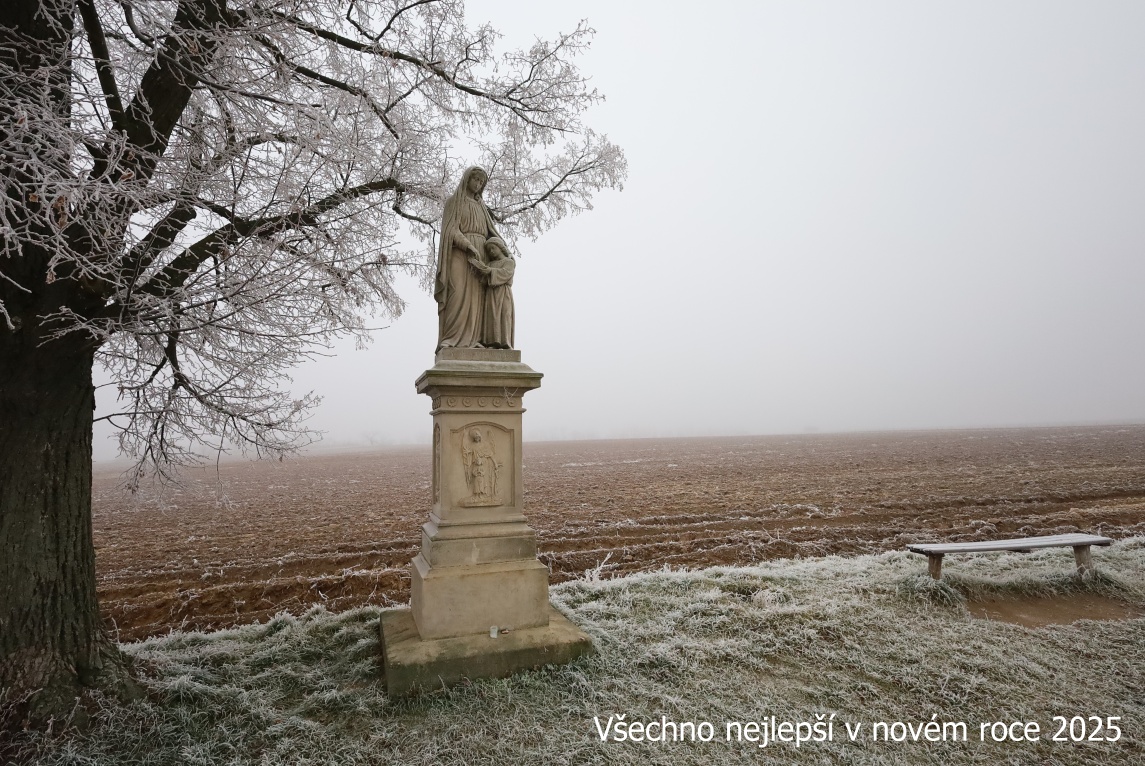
column 839, row 216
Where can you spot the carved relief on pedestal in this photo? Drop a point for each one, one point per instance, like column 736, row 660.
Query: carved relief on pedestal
column 436, row 462
column 486, row 454
column 479, row 402
column 479, row 458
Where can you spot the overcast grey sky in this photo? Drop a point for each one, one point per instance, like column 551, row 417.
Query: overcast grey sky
column 838, row 216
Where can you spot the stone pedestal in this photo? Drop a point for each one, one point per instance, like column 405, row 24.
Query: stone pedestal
column 478, row 564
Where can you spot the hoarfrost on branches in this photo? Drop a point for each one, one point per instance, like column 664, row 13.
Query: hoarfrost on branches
column 224, row 185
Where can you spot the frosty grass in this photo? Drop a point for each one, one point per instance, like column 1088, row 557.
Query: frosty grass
column 866, row 638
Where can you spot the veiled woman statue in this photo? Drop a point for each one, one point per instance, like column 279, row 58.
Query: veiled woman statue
column 460, row 288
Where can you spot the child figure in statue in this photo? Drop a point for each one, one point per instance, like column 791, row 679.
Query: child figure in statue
column 498, row 268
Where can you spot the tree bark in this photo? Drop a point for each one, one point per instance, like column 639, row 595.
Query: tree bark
column 52, row 643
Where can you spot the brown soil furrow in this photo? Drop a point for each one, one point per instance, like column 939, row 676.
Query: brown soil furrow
column 246, row 540
column 225, row 604
column 258, row 568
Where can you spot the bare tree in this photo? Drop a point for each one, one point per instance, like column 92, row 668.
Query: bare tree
column 196, row 194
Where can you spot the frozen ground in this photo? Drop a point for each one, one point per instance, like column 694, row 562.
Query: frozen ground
column 339, row 530
column 847, row 640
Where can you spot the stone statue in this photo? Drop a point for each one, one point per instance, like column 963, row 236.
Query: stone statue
column 480, row 462
column 459, row 289
column 498, row 271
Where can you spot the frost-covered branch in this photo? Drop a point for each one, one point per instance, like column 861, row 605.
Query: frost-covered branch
column 212, row 190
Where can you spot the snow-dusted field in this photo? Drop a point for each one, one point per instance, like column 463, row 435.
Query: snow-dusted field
column 827, row 646
column 339, row 530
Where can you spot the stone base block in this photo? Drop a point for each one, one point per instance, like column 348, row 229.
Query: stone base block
column 415, row 664
column 477, row 355
column 465, row 600
column 469, row 544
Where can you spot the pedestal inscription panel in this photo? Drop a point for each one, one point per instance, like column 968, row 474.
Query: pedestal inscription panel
column 488, row 455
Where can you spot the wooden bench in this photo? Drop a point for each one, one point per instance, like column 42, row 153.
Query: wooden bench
column 1080, row 544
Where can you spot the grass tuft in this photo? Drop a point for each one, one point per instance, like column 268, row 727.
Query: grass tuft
column 923, row 587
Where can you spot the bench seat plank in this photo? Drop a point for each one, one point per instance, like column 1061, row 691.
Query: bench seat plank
column 1020, row 544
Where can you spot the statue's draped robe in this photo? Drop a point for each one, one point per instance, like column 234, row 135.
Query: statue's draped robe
column 481, row 466
column 459, row 288
column 498, row 320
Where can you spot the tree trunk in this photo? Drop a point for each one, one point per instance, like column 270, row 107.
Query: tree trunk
column 52, row 643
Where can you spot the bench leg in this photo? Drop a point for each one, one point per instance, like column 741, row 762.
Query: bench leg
column 1083, row 557
column 935, row 564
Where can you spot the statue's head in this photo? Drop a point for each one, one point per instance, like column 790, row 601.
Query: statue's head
column 496, row 249
column 474, row 180
column 475, row 436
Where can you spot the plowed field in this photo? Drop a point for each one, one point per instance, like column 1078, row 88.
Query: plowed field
column 248, row 540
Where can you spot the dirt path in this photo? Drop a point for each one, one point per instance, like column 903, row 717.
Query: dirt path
column 254, row 539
